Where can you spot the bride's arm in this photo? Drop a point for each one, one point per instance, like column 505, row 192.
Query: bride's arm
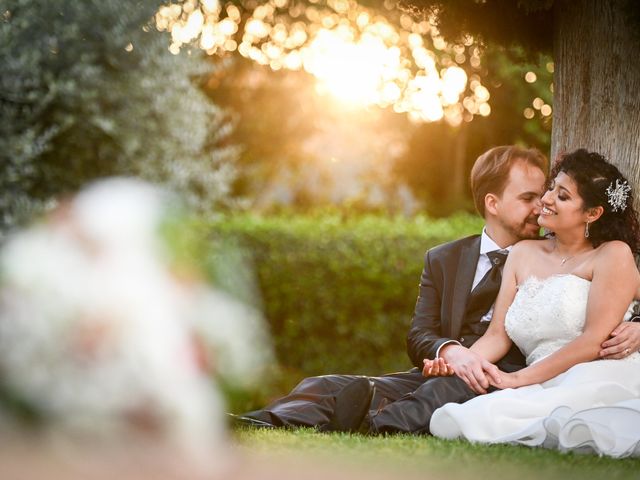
column 479, row 371
column 615, row 281
column 495, row 343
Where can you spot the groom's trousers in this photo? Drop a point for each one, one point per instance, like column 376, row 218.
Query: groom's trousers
column 311, row 403
column 402, row 403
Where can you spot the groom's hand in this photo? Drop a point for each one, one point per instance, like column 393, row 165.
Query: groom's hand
column 436, row 368
column 624, row 340
column 476, row 372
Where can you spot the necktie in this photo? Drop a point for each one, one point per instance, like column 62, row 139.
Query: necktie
column 483, row 296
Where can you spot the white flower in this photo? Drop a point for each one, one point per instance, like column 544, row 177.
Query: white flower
column 99, row 335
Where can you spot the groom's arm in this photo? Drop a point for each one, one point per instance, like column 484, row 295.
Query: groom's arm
column 625, row 338
column 425, row 334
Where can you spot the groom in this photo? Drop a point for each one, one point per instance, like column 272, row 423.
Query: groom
column 459, row 283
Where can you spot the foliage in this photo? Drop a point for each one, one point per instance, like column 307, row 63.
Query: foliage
column 527, row 23
column 88, row 90
column 523, row 23
column 337, row 290
column 410, row 456
column 369, row 57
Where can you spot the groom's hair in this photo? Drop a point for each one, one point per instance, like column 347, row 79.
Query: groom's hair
column 491, row 170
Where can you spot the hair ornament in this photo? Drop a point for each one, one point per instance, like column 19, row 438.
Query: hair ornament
column 618, row 195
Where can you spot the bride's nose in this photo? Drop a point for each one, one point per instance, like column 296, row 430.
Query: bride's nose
column 546, row 197
column 538, row 206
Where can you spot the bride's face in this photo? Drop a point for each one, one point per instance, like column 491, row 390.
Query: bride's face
column 562, row 206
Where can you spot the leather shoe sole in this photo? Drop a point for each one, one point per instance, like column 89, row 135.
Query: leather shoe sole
column 241, row 421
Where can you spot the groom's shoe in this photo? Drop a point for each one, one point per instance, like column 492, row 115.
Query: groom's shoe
column 352, row 405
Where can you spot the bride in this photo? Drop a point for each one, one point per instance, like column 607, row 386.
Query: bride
column 559, row 299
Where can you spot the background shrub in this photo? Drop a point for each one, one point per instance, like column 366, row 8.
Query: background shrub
column 338, row 292
column 90, row 89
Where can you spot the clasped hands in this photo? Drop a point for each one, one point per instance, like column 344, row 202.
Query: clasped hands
column 478, row 373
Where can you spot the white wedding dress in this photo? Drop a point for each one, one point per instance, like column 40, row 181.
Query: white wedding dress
column 592, row 407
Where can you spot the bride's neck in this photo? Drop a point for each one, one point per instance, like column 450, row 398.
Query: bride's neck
column 570, row 246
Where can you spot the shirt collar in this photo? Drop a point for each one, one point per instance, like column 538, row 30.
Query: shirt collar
column 488, row 245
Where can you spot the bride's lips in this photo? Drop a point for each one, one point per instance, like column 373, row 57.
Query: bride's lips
column 547, row 211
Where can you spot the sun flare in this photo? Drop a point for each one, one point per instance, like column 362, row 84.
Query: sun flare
column 357, row 56
column 352, row 71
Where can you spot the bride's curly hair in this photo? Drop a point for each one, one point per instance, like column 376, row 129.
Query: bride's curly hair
column 593, row 175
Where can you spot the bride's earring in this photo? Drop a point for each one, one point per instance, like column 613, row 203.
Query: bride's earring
column 586, row 231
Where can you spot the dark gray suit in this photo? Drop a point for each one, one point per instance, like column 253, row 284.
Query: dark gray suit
column 404, row 402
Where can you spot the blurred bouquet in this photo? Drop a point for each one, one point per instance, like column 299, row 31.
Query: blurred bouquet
column 101, row 337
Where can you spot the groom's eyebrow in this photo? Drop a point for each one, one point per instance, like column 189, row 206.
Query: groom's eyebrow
column 528, row 195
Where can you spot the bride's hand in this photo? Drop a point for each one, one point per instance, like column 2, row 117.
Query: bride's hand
column 507, row 380
column 436, row 368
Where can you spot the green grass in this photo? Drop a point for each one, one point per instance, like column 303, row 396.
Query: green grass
column 455, row 460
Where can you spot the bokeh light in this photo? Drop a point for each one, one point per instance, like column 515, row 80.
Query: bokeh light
column 356, row 55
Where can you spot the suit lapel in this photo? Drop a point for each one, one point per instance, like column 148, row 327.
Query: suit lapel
column 464, row 279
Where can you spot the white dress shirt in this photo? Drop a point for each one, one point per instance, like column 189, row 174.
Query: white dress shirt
column 484, row 264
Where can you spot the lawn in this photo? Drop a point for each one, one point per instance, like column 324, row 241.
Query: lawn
column 404, row 456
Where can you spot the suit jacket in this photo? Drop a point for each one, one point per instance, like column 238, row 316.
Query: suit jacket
column 439, row 315
column 445, row 285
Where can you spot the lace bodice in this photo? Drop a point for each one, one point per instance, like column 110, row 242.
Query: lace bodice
column 547, row 314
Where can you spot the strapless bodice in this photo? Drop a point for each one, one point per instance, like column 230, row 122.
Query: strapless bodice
column 546, row 314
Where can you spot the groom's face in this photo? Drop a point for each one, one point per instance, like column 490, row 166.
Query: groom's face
column 519, row 205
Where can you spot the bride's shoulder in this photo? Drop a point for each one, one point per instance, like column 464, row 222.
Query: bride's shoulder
column 614, row 250
column 527, row 247
column 614, row 261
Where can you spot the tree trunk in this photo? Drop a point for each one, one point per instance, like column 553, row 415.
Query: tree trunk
column 597, row 82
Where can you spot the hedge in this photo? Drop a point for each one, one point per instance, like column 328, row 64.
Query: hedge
column 338, row 292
